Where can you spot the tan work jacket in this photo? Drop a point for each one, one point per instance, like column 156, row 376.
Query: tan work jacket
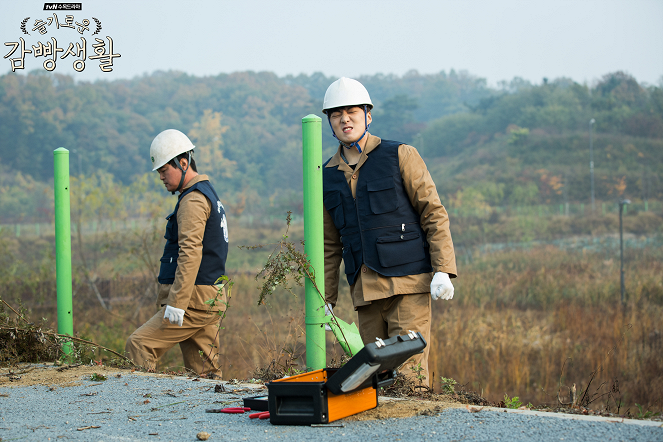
column 434, row 220
column 192, row 217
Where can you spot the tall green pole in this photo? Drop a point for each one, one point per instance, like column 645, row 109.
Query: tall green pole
column 63, row 245
column 314, row 242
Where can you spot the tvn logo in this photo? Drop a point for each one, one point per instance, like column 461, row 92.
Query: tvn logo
column 63, row 6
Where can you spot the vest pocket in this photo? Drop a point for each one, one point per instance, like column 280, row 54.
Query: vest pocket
column 348, row 260
column 382, row 195
column 171, row 227
column 332, row 202
column 394, row 250
column 167, row 269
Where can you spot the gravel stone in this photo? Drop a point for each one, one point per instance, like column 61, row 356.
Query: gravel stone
column 137, row 407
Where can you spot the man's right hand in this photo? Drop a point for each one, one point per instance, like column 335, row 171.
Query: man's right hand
column 174, row 315
column 328, row 312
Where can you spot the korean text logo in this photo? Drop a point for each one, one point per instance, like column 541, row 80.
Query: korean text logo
column 52, row 53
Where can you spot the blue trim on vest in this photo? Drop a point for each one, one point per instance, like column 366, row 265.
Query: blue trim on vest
column 381, row 228
column 215, row 241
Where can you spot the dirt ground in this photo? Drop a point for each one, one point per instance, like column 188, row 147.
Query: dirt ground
column 59, row 376
column 65, row 376
column 389, row 408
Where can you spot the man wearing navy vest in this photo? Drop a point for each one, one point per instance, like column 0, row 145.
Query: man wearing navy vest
column 383, row 218
column 193, row 259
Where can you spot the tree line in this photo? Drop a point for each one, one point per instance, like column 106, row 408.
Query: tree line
column 519, row 143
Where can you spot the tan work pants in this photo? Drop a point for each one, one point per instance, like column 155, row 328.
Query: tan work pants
column 198, row 333
column 389, row 317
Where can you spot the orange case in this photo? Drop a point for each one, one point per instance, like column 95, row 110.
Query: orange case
column 333, row 407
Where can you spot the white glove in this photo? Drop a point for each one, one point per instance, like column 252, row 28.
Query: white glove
column 441, row 287
column 328, row 312
column 174, row 315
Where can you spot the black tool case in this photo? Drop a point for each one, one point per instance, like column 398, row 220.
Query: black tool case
column 326, row 395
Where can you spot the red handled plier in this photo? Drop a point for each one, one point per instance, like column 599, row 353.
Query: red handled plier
column 261, row 415
column 230, row 410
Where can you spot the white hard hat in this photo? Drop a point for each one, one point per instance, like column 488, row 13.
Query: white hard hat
column 346, row 92
column 167, row 145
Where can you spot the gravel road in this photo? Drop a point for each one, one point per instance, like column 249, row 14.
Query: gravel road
column 139, row 407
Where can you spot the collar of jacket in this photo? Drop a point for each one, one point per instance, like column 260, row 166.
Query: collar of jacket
column 336, row 161
column 198, row 178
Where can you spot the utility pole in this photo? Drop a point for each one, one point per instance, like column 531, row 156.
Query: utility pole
column 591, row 160
column 621, row 248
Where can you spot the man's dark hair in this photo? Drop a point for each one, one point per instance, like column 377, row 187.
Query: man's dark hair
column 185, row 155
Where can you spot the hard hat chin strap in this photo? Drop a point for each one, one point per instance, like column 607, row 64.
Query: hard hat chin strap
column 356, row 143
column 179, row 166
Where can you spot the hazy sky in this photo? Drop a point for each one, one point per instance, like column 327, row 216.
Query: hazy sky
column 493, row 39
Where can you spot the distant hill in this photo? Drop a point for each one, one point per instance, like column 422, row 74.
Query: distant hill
column 520, row 144
column 530, row 145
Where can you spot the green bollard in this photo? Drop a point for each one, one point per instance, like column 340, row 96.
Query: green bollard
column 63, row 246
column 316, row 354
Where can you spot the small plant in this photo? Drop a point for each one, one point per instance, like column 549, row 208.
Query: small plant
column 284, row 266
column 97, row 377
column 448, row 385
column 222, row 282
column 513, row 402
column 288, row 265
column 646, row 414
column 417, row 370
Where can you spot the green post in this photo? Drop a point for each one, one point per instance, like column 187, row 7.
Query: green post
column 316, row 354
column 63, row 245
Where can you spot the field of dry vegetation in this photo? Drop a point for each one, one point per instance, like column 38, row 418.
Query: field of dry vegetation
column 531, row 322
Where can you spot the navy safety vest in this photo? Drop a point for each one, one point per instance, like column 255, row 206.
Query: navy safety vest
column 215, row 241
column 380, row 228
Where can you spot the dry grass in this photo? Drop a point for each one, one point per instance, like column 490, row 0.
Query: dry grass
column 532, row 323
column 528, row 323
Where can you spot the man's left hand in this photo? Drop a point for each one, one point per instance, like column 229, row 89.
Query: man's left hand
column 174, row 315
column 441, row 287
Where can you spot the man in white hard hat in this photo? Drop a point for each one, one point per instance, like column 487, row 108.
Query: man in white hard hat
column 193, row 259
column 384, row 219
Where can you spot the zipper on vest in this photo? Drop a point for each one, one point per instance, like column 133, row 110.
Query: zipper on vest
column 361, row 236
column 402, row 226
